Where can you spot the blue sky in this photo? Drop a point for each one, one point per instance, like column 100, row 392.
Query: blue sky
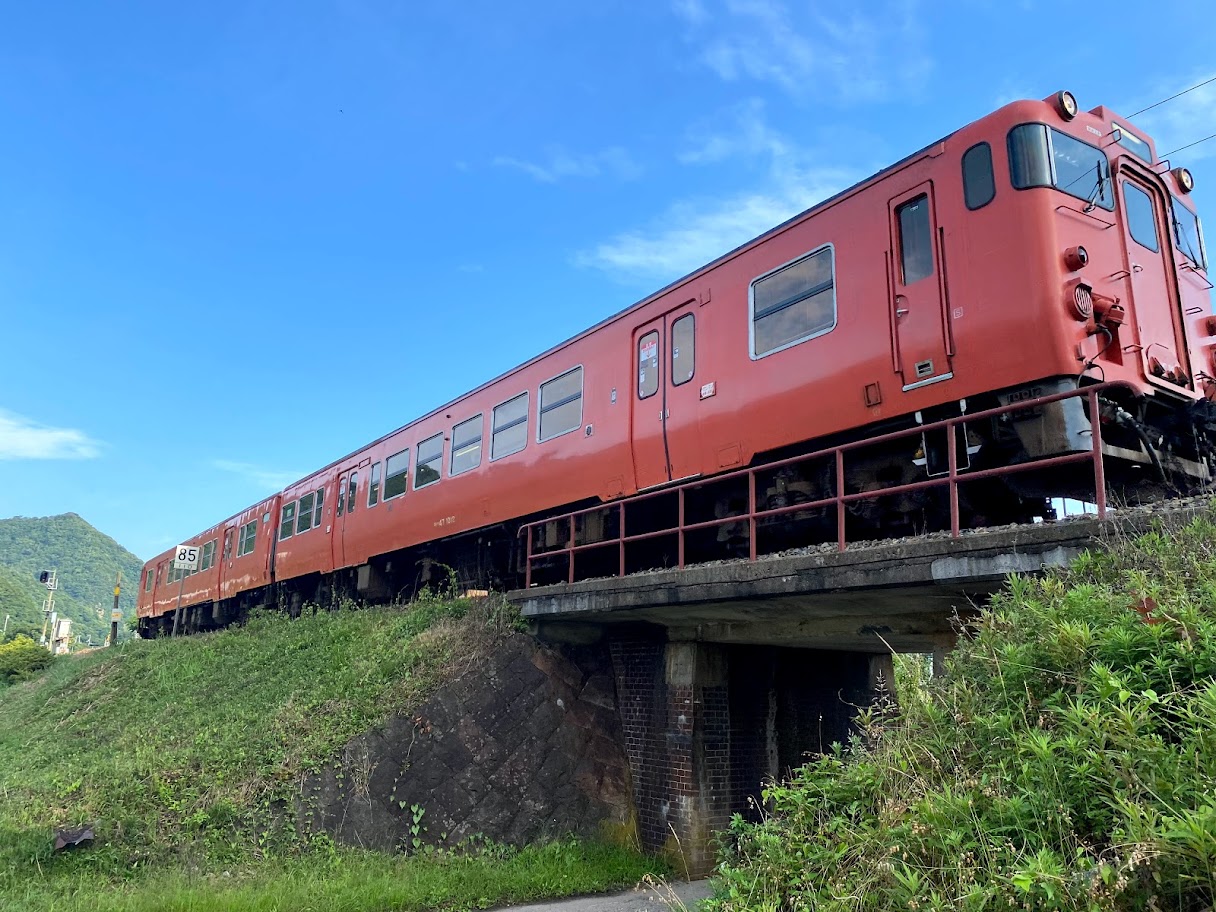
column 238, row 240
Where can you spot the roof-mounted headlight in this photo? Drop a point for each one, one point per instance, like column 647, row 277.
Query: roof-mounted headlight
column 1066, row 104
column 1186, row 180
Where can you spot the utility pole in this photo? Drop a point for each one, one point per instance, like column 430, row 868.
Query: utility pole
column 116, row 614
column 51, row 580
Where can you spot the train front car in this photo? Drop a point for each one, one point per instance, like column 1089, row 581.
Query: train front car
column 1091, row 268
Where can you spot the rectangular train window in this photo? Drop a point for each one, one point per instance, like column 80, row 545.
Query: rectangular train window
column 915, row 239
column 396, row 474
column 793, row 303
column 1188, row 233
column 316, row 516
column 1141, row 222
column 287, row 520
column 373, row 486
column 979, row 184
column 683, row 349
column 249, row 537
column 466, row 446
column 430, row 458
column 648, row 365
column 208, row 555
column 350, row 492
column 510, row 423
column 148, row 580
column 228, row 536
column 1133, row 144
column 561, row 405
column 304, row 517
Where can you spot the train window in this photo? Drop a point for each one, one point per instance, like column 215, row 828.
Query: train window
column 396, row 474
column 1040, row 156
column 373, row 486
column 430, row 457
column 979, row 185
column 648, row 365
column 1133, row 144
column 352, row 486
column 561, row 405
column 341, row 496
column 1141, row 221
column 249, row 536
column 287, row 520
column 510, row 423
column 208, row 555
column 148, row 577
column 316, row 516
column 466, row 446
column 793, row 303
column 1188, row 233
column 683, row 349
column 915, row 239
column 228, row 535
column 304, row 514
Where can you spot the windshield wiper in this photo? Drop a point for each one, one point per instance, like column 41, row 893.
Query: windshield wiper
column 1099, row 189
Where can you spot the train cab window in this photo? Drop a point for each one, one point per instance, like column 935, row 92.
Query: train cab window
column 683, row 349
column 793, row 303
column 148, row 577
column 561, row 405
column 915, row 239
column 396, row 474
column 316, row 516
column 351, row 486
column 430, row 458
column 510, row 427
column 466, row 446
column 979, row 185
column 1141, row 222
column 1134, row 144
column 1040, row 156
column 287, row 520
column 648, row 365
column 373, row 486
column 304, row 514
column 249, row 538
column 1188, row 233
column 208, row 555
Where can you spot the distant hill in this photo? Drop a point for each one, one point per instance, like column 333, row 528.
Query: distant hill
column 87, row 561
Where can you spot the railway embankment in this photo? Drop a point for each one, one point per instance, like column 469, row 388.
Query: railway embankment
column 410, row 757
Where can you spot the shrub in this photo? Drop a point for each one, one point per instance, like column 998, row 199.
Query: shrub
column 1067, row 760
column 21, row 658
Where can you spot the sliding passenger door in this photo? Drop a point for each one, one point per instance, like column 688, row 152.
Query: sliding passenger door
column 915, row 274
column 666, row 399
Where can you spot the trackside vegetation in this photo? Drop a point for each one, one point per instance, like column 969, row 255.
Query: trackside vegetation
column 188, row 755
column 1067, row 760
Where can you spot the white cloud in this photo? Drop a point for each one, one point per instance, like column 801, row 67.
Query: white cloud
column 560, row 164
column 1183, row 120
column 265, row 479
column 694, row 232
column 21, row 438
column 823, row 51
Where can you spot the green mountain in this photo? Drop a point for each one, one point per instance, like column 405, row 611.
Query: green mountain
column 87, row 561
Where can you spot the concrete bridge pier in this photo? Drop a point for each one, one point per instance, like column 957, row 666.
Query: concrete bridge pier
column 707, row 724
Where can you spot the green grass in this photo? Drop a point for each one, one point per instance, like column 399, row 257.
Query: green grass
column 188, row 755
column 1067, row 761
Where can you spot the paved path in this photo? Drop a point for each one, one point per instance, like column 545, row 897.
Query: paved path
column 645, row 899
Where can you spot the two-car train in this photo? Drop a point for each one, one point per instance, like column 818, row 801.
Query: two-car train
column 1035, row 250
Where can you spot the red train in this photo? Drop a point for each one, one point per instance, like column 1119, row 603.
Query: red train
column 1034, row 250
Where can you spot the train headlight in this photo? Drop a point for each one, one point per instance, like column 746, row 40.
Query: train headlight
column 1066, row 102
column 1076, row 258
column 1186, row 180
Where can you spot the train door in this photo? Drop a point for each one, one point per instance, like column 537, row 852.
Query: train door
column 666, row 399
column 922, row 344
column 226, row 558
column 347, row 504
column 1155, row 305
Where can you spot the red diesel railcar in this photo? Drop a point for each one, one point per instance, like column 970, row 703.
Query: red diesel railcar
column 1035, row 250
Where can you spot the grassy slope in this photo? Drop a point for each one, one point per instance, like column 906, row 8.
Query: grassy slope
column 1066, row 762
column 188, row 753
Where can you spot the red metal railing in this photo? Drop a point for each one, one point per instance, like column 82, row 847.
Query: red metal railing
column 952, row 478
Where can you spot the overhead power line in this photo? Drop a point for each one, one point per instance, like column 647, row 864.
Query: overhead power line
column 1172, row 97
column 1188, row 145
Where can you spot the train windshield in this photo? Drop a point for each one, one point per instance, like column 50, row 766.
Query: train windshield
column 1188, row 234
column 1040, row 156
